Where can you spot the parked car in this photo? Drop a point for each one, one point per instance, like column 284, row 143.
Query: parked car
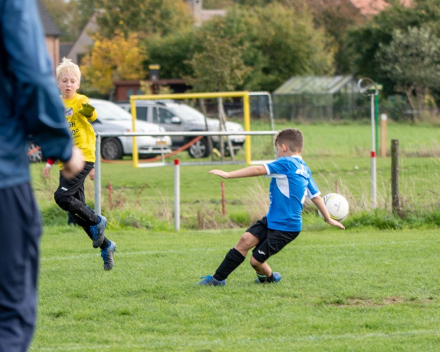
column 112, row 118
column 176, row 117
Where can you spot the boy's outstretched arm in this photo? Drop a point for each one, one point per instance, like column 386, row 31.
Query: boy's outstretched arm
column 89, row 112
column 323, row 210
column 245, row 172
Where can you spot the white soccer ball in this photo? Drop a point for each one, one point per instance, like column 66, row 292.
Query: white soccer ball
column 337, row 206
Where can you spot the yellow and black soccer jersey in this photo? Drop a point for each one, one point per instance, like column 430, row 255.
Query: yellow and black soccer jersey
column 82, row 131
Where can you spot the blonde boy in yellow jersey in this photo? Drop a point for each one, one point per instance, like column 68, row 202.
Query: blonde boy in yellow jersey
column 77, row 117
column 70, row 193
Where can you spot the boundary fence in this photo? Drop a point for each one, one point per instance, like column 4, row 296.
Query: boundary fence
column 163, row 163
column 415, row 171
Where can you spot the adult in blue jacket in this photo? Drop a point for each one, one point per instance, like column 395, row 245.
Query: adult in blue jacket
column 29, row 105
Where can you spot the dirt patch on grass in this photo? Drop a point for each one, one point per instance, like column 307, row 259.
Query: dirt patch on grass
column 394, row 300
column 365, row 302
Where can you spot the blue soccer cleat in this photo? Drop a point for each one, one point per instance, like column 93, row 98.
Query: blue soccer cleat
column 107, row 255
column 276, row 276
column 208, row 280
column 97, row 231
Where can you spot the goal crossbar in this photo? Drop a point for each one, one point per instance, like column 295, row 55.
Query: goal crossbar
column 246, row 113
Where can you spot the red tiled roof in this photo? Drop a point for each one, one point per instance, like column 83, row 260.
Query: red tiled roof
column 372, row 7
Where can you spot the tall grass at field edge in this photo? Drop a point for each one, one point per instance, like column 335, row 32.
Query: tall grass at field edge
column 338, row 155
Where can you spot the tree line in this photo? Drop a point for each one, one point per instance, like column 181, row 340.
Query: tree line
column 259, row 44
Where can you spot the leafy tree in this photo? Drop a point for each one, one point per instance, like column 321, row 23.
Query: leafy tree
column 219, row 65
column 412, row 60
column 336, row 17
column 70, row 16
column 171, row 53
column 145, row 17
column 281, row 42
column 85, row 10
column 255, row 2
column 217, row 4
column 64, row 15
column 118, row 58
column 365, row 41
column 273, row 42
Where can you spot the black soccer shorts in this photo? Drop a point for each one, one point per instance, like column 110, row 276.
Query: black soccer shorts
column 271, row 241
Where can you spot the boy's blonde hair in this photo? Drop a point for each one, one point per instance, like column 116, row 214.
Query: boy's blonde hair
column 292, row 138
column 67, row 66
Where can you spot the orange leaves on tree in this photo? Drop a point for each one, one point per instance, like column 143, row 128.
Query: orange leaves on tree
column 115, row 59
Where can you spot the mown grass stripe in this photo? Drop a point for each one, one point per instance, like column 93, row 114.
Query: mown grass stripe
column 189, row 250
column 274, row 339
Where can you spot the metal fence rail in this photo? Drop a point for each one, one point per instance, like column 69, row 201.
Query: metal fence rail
column 162, row 134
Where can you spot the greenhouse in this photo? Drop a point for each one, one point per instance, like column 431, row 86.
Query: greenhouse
column 319, row 98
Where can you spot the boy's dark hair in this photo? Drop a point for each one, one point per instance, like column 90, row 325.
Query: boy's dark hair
column 292, row 138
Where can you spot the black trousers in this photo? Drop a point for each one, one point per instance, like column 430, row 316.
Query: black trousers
column 20, row 232
column 70, row 197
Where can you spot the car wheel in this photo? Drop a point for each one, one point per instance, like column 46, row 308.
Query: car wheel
column 36, row 156
column 199, row 149
column 111, row 149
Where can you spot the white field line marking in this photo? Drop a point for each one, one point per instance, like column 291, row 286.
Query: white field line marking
column 396, row 334
column 170, row 251
column 137, row 253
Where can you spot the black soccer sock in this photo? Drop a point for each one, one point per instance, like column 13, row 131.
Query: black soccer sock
column 262, row 278
column 231, row 262
column 270, row 278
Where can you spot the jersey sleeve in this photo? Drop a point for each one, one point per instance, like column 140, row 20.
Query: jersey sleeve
column 276, row 167
column 312, row 188
column 50, row 161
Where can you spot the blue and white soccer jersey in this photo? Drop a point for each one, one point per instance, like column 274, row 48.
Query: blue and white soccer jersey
column 291, row 182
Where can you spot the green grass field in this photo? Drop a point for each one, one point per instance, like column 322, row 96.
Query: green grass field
column 353, row 290
column 361, row 289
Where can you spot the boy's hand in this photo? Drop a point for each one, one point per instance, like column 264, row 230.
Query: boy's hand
column 220, row 173
column 86, row 110
column 332, row 222
column 92, row 174
column 318, row 201
column 74, row 165
column 46, row 171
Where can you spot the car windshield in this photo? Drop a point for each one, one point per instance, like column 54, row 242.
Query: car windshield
column 109, row 111
column 187, row 112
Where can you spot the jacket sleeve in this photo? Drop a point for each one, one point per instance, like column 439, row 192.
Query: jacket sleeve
column 33, row 95
column 50, row 161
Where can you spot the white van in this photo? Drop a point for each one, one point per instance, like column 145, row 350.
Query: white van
column 112, row 118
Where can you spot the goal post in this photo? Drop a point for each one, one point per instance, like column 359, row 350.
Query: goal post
column 246, row 112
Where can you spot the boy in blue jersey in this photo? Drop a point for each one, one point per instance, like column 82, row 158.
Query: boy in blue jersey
column 291, row 182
